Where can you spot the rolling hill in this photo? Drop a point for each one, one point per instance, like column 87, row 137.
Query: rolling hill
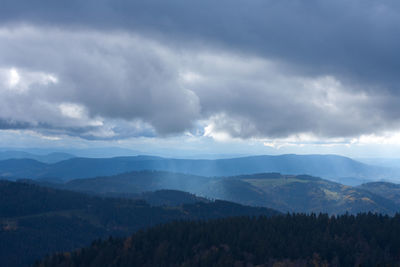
column 301, row 193
column 337, row 168
column 45, row 158
column 384, row 189
column 35, row 221
column 286, row 193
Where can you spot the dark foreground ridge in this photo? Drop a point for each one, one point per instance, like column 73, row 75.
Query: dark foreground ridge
column 292, row 240
column 35, row 221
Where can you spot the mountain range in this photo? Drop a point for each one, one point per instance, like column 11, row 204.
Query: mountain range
column 286, row 193
column 332, row 167
column 65, row 205
column 52, row 157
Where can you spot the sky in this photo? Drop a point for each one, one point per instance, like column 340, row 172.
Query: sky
column 190, row 78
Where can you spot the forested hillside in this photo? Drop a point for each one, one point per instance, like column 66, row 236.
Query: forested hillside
column 291, row 240
column 287, row 193
column 384, row 189
column 35, row 220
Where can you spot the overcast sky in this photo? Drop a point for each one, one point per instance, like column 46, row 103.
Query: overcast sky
column 227, row 76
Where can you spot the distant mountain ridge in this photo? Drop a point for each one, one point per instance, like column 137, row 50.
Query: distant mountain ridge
column 338, row 168
column 45, row 158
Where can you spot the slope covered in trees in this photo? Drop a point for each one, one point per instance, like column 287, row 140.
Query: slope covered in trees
column 384, row 189
column 299, row 193
column 291, row 240
column 35, row 220
column 287, row 193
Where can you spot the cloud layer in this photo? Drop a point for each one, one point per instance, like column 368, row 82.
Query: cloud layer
column 258, row 69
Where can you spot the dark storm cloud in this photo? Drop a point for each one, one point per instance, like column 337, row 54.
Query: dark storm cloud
column 7, row 124
column 355, row 39
column 247, row 68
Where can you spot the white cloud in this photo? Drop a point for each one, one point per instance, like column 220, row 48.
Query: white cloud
column 20, row 81
column 14, row 78
column 73, row 111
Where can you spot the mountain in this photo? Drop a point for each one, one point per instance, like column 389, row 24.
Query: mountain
column 35, row 221
column 96, row 152
column 46, row 158
column 170, row 198
column 337, row 168
column 298, row 193
column 291, row 240
column 384, row 189
column 286, row 193
column 15, row 168
column 137, row 182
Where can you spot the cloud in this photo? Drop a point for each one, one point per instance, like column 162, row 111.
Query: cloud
column 249, row 97
column 69, row 79
column 355, row 39
column 227, row 69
